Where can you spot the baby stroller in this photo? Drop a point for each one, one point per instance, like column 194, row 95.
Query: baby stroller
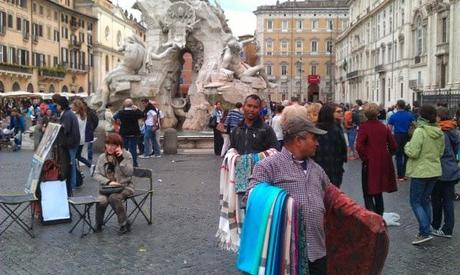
column 7, row 138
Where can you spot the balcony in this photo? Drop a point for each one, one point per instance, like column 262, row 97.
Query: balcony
column 52, row 73
column 353, row 74
column 284, row 78
column 75, row 67
column 15, row 68
column 75, row 45
column 379, row 68
column 271, row 77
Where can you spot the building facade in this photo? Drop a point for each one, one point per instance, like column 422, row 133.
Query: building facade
column 44, row 46
column 114, row 25
column 296, row 41
column 398, row 49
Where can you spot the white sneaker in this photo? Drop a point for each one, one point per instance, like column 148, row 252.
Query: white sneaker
column 421, row 239
column 143, row 157
column 440, row 233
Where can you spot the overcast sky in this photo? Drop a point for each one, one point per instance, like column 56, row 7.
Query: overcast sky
column 238, row 12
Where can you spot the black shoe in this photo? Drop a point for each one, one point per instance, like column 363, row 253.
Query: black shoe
column 128, row 226
column 98, row 228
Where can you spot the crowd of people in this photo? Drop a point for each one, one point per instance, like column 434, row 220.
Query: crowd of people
column 424, row 141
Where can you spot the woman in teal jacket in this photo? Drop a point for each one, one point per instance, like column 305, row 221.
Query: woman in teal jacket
column 424, row 153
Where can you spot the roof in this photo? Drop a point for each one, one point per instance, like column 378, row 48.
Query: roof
column 299, row 5
column 69, row 10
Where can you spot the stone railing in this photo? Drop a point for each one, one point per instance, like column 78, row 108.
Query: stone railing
column 15, row 68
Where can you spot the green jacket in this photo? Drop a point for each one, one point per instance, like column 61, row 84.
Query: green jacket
column 424, row 151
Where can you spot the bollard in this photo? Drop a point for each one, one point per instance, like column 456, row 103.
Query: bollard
column 170, row 141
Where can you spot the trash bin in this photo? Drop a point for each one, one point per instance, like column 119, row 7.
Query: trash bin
column 170, row 141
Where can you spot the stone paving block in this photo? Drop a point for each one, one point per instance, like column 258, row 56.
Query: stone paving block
column 185, row 217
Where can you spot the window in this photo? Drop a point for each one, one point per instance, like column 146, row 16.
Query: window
column 3, row 54
column 299, row 24
column 329, row 47
column 12, row 55
column 390, row 53
column 56, row 36
column 419, row 33
column 41, row 10
column 284, row 25
column 10, row 21
column 2, row 20
column 64, row 55
column 107, row 65
column 328, row 69
column 270, row 25
column 444, row 26
column 313, row 69
column 269, row 44
column 314, row 46
column 284, row 47
column 330, row 25
column 284, row 69
column 23, row 57
column 314, row 24
column 18, row 24
column 268, row 69
column 55, row 61
column 299, row 44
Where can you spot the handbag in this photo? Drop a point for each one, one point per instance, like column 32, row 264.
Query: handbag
column 212, row 122
column 108, row 190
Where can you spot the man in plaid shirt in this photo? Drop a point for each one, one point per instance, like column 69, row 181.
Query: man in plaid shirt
column 294, row 171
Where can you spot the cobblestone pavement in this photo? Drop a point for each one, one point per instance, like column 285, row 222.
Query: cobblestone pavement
column 181, row 239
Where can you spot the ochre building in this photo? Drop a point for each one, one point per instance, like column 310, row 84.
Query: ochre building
column 45, row 46
column 296, row 45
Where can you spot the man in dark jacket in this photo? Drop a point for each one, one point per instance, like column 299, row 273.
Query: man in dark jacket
column 69, row 136
column 129, row 126
column 92, row 121
column 252, row 135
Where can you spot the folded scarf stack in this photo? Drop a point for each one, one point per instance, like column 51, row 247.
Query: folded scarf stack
column 271, row 234
column 234, row 178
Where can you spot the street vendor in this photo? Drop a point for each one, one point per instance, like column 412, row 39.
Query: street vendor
column 305, row 181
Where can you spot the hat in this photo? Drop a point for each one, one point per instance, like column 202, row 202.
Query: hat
column 63, row 102
column 298, row 124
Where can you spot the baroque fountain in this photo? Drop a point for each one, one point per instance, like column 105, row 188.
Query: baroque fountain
column 152, row 69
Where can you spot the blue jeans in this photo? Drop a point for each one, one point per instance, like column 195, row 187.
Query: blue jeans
column 73, row 166
column 18, row 140
column 401, row 159
column 442, row 200
column 351, row 134
column 130, row 143
column 90, row 151
column 420, row 194
column 149, row 140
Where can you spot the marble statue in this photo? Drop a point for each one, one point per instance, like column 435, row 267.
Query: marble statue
column 176, row 27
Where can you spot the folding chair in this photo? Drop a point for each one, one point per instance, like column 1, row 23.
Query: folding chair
column 14, row 206
column 139, row 198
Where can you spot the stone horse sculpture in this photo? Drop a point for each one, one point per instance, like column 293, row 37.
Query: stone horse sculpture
column 176, row 27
